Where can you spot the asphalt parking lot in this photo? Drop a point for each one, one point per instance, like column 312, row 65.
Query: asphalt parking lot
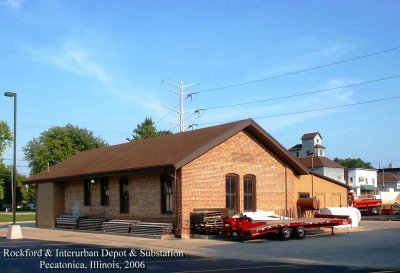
column 374, row 247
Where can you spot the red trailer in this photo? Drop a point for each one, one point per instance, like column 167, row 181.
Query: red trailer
column 366, row 206
column 244, row 228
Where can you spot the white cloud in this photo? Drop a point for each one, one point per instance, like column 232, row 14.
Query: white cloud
column 11, row 4
column 81, row 61
column 72, row 58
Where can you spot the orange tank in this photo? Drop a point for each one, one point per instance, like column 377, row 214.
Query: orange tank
column 308, row 203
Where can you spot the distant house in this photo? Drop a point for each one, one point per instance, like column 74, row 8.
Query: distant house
column 362, row 181
column 311, row 144
column 237, row 166
column 324, row 166
column 388, row 180
column 390, row 169
column 311, row 153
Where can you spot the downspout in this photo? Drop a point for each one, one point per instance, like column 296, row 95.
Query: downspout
column 286, row 193
column 312, row 185
column 36, row 206
column 176, row 200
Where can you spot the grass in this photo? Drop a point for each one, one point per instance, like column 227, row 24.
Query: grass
column 7, row 217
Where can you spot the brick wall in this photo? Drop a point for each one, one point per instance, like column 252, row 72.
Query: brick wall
column 201, row 184
column 144, row 199
column 203, row 180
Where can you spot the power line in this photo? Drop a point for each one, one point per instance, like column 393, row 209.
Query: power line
column 301, row 94
column 275, row 63
column 299, row 71
column 300, row 33
column 328, row 108
column 10, row 159
column 313, row 110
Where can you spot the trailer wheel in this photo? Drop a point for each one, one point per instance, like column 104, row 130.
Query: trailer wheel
column 300, row 233
column 375, row 210
column 285, row 233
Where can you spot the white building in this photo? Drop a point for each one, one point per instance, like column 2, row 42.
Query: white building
column 311, row 153
column 324, row 166
column 362, row 181
column 311, row 143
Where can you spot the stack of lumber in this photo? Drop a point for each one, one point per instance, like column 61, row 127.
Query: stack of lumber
column 90, row 224
column 117, row 226
column 67, row 221
column 154, row 230
column 206, row 222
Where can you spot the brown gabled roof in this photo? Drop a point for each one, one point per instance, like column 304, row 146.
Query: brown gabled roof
column 319, row 146
column 174, row 150
column 388, row 177
column 310, row 135
column 296, row 147
column 319, row 161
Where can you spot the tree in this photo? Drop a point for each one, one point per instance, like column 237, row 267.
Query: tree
column 147, row 129
column 5, row 137
column 353, row 163
column 5, row 180
column 57, row 144
column 1, row 189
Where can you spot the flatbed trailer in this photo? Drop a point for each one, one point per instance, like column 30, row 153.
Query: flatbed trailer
column 244, row 228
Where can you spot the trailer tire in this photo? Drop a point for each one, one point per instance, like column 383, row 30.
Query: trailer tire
column 300, row 233
column 285, row 233
column 375, row 210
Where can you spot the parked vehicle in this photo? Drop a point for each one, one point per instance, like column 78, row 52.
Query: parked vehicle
column 392, row 210
column 244, row 228
column 367, row 206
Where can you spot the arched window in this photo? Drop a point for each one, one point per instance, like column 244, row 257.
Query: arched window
column 87, row 191
column 249, row 190
column 166, row 194
column 124, row 194
column 104, row 195
column 232, row 192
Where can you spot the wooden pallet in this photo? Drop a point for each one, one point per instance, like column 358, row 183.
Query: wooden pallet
column 206, row 222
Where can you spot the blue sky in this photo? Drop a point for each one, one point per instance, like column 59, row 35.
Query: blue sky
column 100, row 65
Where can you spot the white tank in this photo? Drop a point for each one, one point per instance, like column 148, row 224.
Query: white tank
column 353, row 212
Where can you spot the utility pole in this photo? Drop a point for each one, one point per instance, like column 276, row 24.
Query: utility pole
column 181, row 94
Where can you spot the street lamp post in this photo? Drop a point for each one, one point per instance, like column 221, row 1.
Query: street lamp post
column 14, row 177
column 15, row 230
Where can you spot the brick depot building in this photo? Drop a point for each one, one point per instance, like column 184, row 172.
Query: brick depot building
column 236, row 165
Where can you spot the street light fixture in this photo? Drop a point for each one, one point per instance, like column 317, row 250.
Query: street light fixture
column 14, row 232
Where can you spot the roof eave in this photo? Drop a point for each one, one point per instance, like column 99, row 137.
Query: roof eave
column 202, row 150
column 277, row 148
column 159, row 168
column 257, row 131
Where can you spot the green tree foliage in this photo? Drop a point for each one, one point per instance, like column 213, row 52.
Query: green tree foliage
column 353, row 163
column 5, row 141
column 5, row 137
column 5, row 178
column 1, row 189
column 57, row 144
column 147, row 129
column 29, row 193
